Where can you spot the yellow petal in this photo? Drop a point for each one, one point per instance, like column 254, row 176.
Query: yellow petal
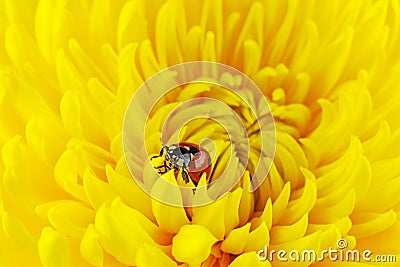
column 331, row 232
column 302, row 205
column 68, row 76
column 90, row 247
column 193, row 90
column 212, row 19
column 169, row 218
column 201, row 193
column 352, row 170
column 330, row 237
column 111, row 223
column 310, row 242
column 103, row 20
column 149, row 256
column 332, row 135
column 251, row 28
column 331, row 214
column 337, row 54
column 385, row 242
column 228, row 97
column 97, row 191
column 132, row 24
column 100, row 93
column 128, row 74
column 373, row 147
column 167, row 46
column 370, row 224
column 70, row 217
column 66, row 172
column 12, row 234
column 16, row 37
column 16, row 231
column 192, row 244
column 246, row 207
column 70, row 109
column 249, row 259
column 311, row 151
column 149, row 61
column 52, row 38
column 208, row 51
column 15, row 14
column 252, row 57
column 265, row 217
column 44, row 135
column 53, row 249
column 276, row 182
column 1, row 201
column 232, row 210
column 159, row 236
column 258, row 238
column 279, row 206
column 22, row 197
column 130, row 191
column 193, row 43
column 236, row 240
column 282, row 234
column 287, row 164
column 378, row 202
column 87, row 67
column 116, row 149
column 212, row 216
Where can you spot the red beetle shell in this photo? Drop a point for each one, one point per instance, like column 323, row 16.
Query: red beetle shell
column 199, row 164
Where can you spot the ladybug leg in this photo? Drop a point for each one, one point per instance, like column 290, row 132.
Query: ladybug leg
column 185, row 175
column 161, row 153
column 159, row 167
column 162, row 166
column 160, row 171
column 166, row 168
column 176, row 168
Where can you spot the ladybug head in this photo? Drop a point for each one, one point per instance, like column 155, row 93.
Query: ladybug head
column 170, row 153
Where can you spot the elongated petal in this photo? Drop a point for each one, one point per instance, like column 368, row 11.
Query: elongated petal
column 192, row 244
column 249, row 259
column 90, row 247
column 123, row 245
column 148, row 256
column 212, row 216
column 258, row 238
column 236, row 240
column 169, row 218
column 53, row 249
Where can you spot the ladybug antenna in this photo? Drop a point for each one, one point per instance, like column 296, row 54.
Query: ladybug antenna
column 161, row 152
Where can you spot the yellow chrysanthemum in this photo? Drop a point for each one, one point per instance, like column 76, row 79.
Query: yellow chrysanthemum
column 330, row 70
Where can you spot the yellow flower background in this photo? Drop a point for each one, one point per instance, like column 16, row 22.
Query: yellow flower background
column 330, row 70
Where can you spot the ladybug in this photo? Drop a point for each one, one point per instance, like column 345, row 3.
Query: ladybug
column 190, row 158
